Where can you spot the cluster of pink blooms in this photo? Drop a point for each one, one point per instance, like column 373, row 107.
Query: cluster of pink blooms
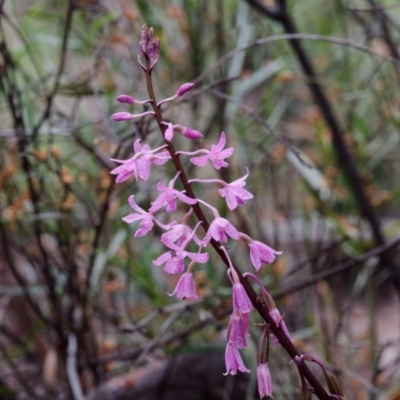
column 179, row 236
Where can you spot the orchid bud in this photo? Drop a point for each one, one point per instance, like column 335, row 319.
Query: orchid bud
column 191, row 133
column 184, row 88
column 121, row 116
column 150, row 50
column 151, row 33
column 124, row 98
column 169, row 133
column 156, row 46
column 144, row 39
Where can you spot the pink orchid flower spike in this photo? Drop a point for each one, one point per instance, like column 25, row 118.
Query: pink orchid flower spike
column 168, row 195
column 139, row 165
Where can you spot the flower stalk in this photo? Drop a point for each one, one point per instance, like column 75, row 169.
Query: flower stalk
column 245, row 298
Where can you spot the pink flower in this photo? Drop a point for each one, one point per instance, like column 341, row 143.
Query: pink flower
column 174, row 259
column 238, row 329
column 241, row 302
column 168, row 195
column 234, row 193
column 180, row 233
column 233, row 360
column 276, row 316
column 260, row 253
column 219, row 229
column 216, row 155
column 139, row 165
column 186, row 287
column 147, row 219
column 264, row 380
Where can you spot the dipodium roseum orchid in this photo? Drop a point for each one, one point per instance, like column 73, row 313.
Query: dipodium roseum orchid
column 180, row 235
column 260, row 253
column 186, row 287
column 147, row 219
column 264, row 380
column 174, row 258
column 139, row 165
column 216, row 155
column 168, row 195
column 233, row 192
column 233, row 360
column 237, row 329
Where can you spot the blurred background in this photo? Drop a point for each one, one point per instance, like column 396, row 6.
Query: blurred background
column 83, row 312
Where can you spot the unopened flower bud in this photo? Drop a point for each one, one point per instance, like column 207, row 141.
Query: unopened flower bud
column 144, row 39
column 121, row 116
column 124, row 98
column 151, row 33
column 184, row 88
column 156, row 44
column 191, row 133
column 169, row 133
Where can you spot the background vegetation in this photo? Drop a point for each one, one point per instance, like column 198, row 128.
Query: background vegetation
column 80, row 300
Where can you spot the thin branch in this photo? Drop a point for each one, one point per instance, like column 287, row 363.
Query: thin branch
column 337, row 269
column 294, row 36
column 50, row 97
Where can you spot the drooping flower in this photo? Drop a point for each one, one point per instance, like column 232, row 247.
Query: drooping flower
column 186, row 287
column 233, row 360
column 234, row 193
column 260, row 254
column 168, row 195
column 219, row 229
column 264, row 380
column 139, row 165
column 238, row 329
column 241, row 302
column 216, row 155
